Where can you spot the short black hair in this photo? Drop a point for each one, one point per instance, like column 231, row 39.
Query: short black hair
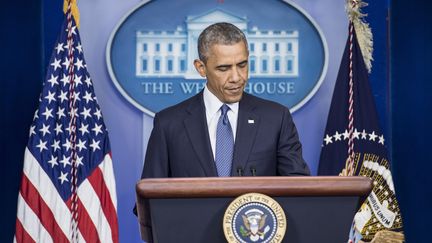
column 219, row 33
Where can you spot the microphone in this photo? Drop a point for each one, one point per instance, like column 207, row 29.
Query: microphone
column 239, row 171
column 253, row 171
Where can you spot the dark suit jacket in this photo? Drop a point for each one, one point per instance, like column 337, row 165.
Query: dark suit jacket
column 266, row 142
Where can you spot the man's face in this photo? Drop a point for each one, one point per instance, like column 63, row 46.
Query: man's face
column 226, row 71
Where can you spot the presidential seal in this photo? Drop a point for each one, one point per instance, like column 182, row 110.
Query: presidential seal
column 254, row 217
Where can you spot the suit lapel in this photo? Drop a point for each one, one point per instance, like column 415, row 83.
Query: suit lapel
column 247, row 127
column 197, row 130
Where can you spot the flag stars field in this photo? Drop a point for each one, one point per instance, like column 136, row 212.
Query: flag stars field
column 59, row 48
column 364, row 134
column 60, row 113
column 62, row 96
column 77, row 80
column 66, row 63
column 81, row 145
column 86, row 113
column 74, row 111
column 65, row 161
column 47, row 113
column 97, row 129
column 98, row 114
column 41, row 145
column 87, row 97
column 77, row 96
column 329, row 138
column 63, row 177
column 67, row 145
column 79, row 64
column 381, row 140
column 88, row 82
column 44, row 130
column 372, row 136
column 35, row 116
column 53, row 161
column 337, row 136
column 79, row 48
column 56, row 64
column 80, row 161
column 356, row 134
column 53, row 80
column 32, row 130
column 56, row 145
column 50, row 97
column 58, row 128
column 95, row 145
column 83, row 129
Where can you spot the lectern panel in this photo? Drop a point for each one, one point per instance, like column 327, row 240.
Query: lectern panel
column 196, row 220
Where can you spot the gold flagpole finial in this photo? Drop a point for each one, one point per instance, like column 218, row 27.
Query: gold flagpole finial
column 74, row 9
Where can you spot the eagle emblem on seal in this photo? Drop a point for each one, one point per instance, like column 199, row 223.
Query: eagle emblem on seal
column 254, row 222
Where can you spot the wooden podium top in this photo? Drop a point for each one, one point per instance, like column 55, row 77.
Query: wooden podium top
column 317, row 187
column 271, row 186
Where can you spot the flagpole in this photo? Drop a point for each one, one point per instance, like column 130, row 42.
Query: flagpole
column 351, row 154
column 72, row 126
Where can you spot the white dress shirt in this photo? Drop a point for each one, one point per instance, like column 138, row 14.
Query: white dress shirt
column 212, row 106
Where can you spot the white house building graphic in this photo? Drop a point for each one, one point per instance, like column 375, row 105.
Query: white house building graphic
column 170, row 53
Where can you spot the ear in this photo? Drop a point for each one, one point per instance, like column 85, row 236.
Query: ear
column 200, row 67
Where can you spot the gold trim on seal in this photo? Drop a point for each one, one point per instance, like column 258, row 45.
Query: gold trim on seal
column 254, row 226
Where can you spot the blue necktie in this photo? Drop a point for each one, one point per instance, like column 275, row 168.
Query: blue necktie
column 224, row 143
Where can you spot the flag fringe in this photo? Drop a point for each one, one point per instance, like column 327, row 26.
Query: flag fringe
column 363, row 30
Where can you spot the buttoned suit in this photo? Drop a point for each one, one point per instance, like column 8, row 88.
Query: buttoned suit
column 266, row 141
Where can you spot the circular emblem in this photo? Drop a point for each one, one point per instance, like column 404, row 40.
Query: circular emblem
column 254, row 217
column 150, row 53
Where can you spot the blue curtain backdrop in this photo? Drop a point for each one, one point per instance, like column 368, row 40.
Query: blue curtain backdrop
column 411, row 86
column 20, row 80
column 29, row 29
column 28, row 32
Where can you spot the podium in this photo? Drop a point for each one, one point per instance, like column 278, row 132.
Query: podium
column 317, row 209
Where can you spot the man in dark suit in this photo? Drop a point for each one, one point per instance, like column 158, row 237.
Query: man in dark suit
column 223, row 131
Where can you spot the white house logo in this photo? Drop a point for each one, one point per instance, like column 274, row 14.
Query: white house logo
column 274, row 53
column 150, row 55
column 254, row 217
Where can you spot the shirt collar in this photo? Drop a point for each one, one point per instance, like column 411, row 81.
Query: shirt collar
column 213, row 104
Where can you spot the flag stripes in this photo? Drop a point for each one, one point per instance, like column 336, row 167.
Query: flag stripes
column 85, row 224
column 22, row 234
column 96, row 208
column 34, row 202
column 105, row 200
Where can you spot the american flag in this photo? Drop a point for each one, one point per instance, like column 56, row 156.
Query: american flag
column 50, row 209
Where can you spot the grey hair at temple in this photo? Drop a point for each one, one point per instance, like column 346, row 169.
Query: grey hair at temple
column 219, row 33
